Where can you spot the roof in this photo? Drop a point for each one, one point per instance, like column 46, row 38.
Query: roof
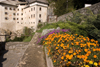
column 41, row 1
column 13, row 3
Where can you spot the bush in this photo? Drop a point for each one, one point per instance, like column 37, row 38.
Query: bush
column 20, row 39
column 40, row 25
column 74, row 50
column 87, row 25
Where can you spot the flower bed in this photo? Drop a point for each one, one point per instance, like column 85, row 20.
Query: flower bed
column 72, row 50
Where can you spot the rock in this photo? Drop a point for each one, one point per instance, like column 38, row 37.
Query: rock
column 19, row 32
column 45, row 31
column 58, row 28
column 2, row 38
column 13, row 35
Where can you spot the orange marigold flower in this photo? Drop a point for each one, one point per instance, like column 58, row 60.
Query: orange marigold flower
column 94, row 49
column 62, row 57
column 71, row 51
column 56, row 47
column 54, row 61
column 95, row 56
column 85, row 50
column 77, row 43
column 99, row 63
column 74, row 53
column 92, row 40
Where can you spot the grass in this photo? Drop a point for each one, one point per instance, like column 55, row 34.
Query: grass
column 47, row 26
column 28, row 39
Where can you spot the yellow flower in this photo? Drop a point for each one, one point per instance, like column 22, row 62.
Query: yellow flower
column 87, row 66
column 95, row 63
column 90, row 62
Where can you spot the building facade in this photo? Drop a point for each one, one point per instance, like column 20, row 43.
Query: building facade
column 15, row 15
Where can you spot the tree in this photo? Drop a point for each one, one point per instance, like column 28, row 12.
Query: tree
column 62, row 6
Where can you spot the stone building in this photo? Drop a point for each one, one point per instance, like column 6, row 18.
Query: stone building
column 15, row 15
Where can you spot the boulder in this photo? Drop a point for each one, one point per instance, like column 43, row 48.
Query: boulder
column 58, row 28
column 45, row 31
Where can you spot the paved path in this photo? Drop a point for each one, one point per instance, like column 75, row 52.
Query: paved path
column 11, row 57
column 34, row 55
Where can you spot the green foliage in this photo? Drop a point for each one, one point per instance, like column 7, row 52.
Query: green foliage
column 39, row 25
column 27, row 31
column 28, row 39
column 20, row 39
column 61, row 6
column 88, row 24
column 77, row 17
column 96, row 23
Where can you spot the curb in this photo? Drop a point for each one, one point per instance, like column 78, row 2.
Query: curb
column 48, row 59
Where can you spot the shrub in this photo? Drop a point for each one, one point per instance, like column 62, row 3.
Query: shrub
column 40, row 25
column 51, row 32
column 75, row 50
column 16, row 39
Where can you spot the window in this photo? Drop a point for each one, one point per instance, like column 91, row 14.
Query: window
column 17, row 22
column 6, row 18
column 31, row 9
column 34, row 22
column 13, row 18
column 31, row 16
column 34, row 15
column 39, row 21
column 17, row 19
column 22, row 9
column 21, row 18
column 18, row 9
column 5, row 8
column 39, row 15
column 17, row 13
column 6, row 13
column 14, row 9
column 14, row 14
column 34, row 8
column 21, row 13
column 10, row 8
column 40, row 8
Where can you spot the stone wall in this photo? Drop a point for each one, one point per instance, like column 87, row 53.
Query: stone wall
column 94, row 8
